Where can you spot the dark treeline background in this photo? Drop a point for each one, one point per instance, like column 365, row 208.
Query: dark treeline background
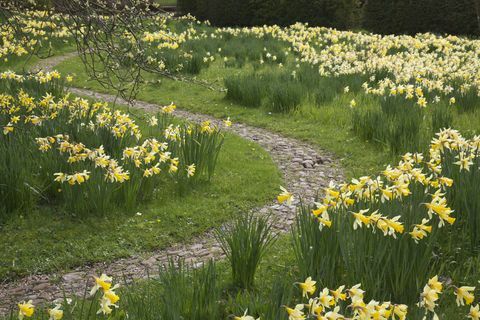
column 380, row 16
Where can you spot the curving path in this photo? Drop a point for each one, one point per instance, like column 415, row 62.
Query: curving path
column 305, row 170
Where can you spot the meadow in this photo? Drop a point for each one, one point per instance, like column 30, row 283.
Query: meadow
column 88, row 181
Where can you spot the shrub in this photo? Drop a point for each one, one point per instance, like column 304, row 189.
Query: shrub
column 179, row 292
column 268, row 304
column 317, row 249
column 285, row 97
column 442, row 116
column 396, row 124
column 246, row 90
column 244, row 242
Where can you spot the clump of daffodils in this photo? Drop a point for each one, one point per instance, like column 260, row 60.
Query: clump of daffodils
column 39, row 28
column 431, row 295
column 341, row 303
column 152, row 156
column 394, row 184
column 349, row 303
column 108, row 301
column 415, row 173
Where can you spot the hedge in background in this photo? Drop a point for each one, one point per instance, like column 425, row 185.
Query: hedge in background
column 379, row 16
column 332, row 13
column 414, row 16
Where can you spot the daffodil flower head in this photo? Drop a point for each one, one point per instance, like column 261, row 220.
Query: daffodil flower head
column 25, row 309
column 56, row 313
column 285, row 196
column 103, row 282
column 308, row 287
column 464, row 295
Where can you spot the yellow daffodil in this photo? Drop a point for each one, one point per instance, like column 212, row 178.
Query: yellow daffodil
column 191, row 170
column 325, row 299
column 361, row 219
column 339, row 294
column 308, row 287
column 103, row 282
column 25, row 309
column 55, row 313
column 297, row 313
column 464, row 295
column 355, row 293
column 400, row 311
column 474, row 313
column 227, row 122
column 285, row 196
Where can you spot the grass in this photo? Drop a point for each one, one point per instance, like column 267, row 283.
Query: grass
column 167, row 2
column 46, row 240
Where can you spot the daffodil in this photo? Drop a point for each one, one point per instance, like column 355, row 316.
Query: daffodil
column 308, row 287
column 8, row 128
column 191, row 170
column 420, row 230
column 325, row 299
column 464, row 295
column 228, row 122
column 105, row 306
column 464, row 161
column 285, row 196
column 334, row 315
column 112, row 296
column 355, row 293
column 361, row 219
column 297, row 313
column 399, row 312
column 25, row 309
column 56, row 313
column 474, row 313
column 321, row 208
column 430, row 294
column 103, row 282
column 153, row 121
column 435, row 284
column 339, row 294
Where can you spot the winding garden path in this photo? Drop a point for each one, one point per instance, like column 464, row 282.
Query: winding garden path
column 305, row 170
